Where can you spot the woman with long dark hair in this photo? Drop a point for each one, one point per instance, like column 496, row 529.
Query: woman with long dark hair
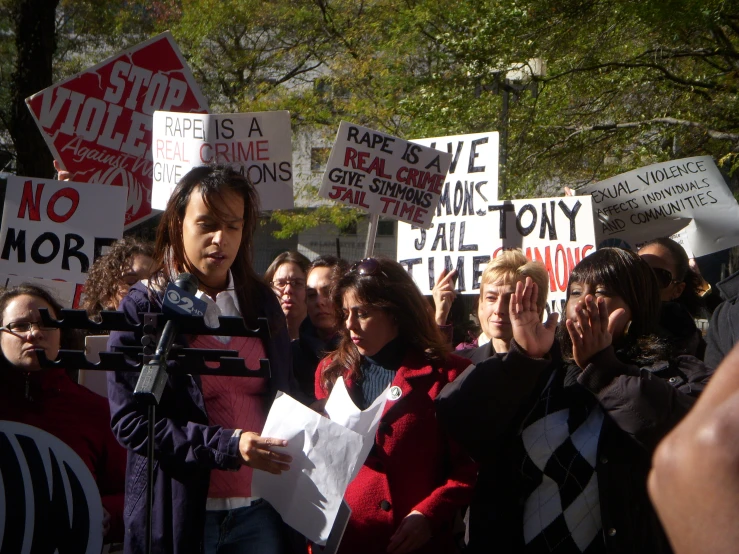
column 566, row 428
column 681, row 294
column 416, row 479
column 213, row 422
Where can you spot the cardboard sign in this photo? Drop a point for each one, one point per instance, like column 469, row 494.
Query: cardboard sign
column 258, row 145
column 63, row 292
column 98, row 123
column 385, row 175
column 56, row 229
column 50, row 500
column 661, row 199
column 555, row 231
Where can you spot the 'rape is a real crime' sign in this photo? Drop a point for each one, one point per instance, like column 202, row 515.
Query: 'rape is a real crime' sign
column 661, row 199
column 98, row 123
column 385, row 175
column 555, row 231
column 258, row 145
column 56, row 229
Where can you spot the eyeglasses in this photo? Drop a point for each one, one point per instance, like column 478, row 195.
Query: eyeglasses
column 664, row 277
column 368, row 267
column 281, row 284
column 19, row 327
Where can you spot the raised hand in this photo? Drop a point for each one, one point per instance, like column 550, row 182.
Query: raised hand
column 257, row 452
column 592, row 328
column 535, row 337
column 443, row 293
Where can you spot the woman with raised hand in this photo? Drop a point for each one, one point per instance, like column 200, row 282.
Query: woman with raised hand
column 213, row 422
column 415, row 480
column 50, row 400
column 569, row 425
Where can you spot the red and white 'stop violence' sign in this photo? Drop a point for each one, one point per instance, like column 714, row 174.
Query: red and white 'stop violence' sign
column 385, row 175
column 98, row 123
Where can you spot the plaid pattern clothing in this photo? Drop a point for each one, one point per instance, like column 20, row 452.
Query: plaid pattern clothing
column 557, row 449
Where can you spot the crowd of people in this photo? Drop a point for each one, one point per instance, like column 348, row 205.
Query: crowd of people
column 536, row 435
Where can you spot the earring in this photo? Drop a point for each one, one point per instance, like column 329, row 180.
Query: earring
column 626, row 329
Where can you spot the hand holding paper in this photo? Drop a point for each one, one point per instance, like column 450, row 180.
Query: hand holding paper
column 257, row 452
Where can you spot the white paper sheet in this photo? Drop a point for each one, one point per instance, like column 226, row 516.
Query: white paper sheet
column 341, row 409
column 325, row 453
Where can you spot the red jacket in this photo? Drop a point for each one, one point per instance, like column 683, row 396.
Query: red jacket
column 76, row 416
column 414, row 465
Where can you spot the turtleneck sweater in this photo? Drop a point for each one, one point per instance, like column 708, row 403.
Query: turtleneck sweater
column 379, row 370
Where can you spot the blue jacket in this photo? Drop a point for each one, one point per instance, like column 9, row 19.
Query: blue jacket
column 187, row 448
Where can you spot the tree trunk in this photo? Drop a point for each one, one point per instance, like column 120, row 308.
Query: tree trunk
column 35, row 40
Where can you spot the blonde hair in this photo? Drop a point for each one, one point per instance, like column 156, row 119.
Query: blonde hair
column 512, row 266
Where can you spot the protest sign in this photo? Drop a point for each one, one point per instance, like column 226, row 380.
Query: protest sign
column 65, row 293
column 556, row 231
column 385, row 175
column 255, row 144
column 50, row 500
column 98, row 123
column 56, row 229
column 661, row 199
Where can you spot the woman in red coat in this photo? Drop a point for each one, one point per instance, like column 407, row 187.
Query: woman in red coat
column 416, row 479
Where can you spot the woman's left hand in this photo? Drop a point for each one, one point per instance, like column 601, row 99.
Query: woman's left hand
column 413, row 533
column 592, row 329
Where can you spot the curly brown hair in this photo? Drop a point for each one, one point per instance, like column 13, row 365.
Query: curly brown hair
column 104, row 278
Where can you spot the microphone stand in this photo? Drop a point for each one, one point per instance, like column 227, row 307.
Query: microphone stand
column 188, row 360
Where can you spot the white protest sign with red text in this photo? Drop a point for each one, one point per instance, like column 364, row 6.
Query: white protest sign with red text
column 385, row 175
column 56, row 229
column 258, row 145
column 558, row 232
column 98, row 123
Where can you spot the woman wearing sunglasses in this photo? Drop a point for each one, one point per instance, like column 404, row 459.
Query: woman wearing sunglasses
column 210, row 422
column 416, row 479
column 570, row 425
column 680, row 292
column 50, row 400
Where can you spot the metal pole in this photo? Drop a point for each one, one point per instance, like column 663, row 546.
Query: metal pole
column 369, row 248
column 503, row 181
column 150, row 476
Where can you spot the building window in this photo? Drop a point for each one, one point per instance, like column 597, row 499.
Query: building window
column 319, row 158
column 386, row 228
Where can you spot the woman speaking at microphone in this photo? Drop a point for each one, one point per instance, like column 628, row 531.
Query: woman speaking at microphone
column 210, row 422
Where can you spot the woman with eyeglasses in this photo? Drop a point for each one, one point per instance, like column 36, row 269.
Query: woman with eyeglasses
column 207, row 423
column 569, row 422
column 287, row 276
column 50, row 400
column 681, row 294
column 416, row 479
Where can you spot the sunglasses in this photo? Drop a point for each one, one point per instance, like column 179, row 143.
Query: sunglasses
column 664, row 277
column 368, row 267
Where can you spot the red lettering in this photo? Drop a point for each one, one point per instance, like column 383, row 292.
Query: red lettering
column 418, row 216
column 28, row 200
column 562, row 269
column 66, row 192
column 350, row 157
column 262, row 150
column 336, row 192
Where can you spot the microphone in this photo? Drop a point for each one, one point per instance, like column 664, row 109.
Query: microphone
column 178, row 299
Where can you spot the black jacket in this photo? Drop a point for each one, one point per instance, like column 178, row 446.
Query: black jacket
column 484, row 409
